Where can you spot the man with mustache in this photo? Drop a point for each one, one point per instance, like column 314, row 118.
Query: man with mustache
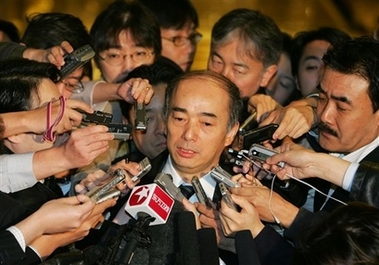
column 349, row 127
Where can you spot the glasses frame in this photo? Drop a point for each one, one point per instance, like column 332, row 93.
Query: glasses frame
column 180, row 41
column 76, row 89
column 106, row 59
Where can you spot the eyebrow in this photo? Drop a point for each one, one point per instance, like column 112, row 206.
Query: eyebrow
column 207, row 114
column 312, row 57
column 342, row 99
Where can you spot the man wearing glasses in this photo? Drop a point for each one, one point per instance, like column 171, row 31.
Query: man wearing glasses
column 45, row 30
column 178, row 21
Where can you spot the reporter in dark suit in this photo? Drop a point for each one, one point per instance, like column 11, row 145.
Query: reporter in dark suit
column 56, row 216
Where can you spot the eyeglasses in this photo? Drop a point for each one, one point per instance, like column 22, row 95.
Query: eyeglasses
column 117, row 59
column 180, row 40
column 76, row 89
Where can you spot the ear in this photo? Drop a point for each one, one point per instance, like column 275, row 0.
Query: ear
column 268, row 74
column 377, row 117
column 15, row 139
column 231, row 134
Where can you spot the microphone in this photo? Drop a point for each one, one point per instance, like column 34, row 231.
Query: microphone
column 152, row 200
column 188, row 241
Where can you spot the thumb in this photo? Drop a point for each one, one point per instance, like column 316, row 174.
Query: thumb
column 242, row 202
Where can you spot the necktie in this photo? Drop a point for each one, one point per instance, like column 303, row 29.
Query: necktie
column 187, row 190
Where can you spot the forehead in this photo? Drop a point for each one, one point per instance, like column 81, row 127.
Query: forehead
column 201, row 91
column 234, row 52
column 125, row 40
column 47, row 91
column 188, row 27
column 316, row 48
column 351, row 86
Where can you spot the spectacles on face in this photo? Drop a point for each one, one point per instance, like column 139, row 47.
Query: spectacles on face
column 76, row 89
column 117, row 59
column 181, row 41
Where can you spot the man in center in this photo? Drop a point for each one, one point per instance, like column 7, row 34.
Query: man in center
column 202, row 109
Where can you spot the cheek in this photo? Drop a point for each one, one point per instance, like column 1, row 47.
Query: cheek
column 61, row 88
column 109, row 72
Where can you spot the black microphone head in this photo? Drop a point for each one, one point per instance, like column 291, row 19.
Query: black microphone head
column 164, row 239
column 189, row 252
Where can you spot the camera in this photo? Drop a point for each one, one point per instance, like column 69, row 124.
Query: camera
column 75, row 60
column 258, row 135
column 119, row 130
column 97, row 117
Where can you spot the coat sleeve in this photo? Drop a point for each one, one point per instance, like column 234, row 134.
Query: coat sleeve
column 365, row 184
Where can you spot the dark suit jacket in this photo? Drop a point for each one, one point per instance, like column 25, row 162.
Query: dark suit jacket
column 10, row 250
column 165, row 253
column 268, row 248
column 305, row 220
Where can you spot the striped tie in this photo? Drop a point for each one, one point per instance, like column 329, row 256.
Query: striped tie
column 187, row 190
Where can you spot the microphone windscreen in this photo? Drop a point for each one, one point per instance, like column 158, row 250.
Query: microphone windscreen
column 164, row 239
column 189, row 251
column 208, row 246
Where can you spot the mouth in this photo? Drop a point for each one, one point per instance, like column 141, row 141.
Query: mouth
column 187, row 65
column 186, row 153
column 162, row 144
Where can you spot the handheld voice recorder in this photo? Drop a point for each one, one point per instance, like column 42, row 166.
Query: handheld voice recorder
column 75, row 60
column 145, row 167
column 261, row 153
column 226, row 196
column 97, row 193
column 221, row 175
column 200, row 193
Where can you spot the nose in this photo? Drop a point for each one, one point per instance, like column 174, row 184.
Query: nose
column 190, row 132
column 160, row 128
column 129, row 64
column 227, row 72
column 325, row 112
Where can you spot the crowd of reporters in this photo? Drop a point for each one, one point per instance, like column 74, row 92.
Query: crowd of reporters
column 312, row 200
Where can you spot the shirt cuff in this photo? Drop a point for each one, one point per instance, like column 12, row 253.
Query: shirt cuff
column 349, row 176
column 19, row 236
column 14, row 177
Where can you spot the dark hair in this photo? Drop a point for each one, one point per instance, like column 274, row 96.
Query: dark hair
column 350, row 235
column 19, row 81
column 160, row 72
column 125, row 15
column 260, row 35
column 287, row 44
column 302, row 38
column 46, row 30
column 10, row 29
column 359, row 56
column 235, row 102
column 172, row 13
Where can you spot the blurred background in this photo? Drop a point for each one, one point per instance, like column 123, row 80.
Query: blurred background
column 357, row 17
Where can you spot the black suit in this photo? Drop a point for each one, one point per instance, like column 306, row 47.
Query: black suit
column 268, row 248
column 164, row 253
column 10, row 251
column 306, row 220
